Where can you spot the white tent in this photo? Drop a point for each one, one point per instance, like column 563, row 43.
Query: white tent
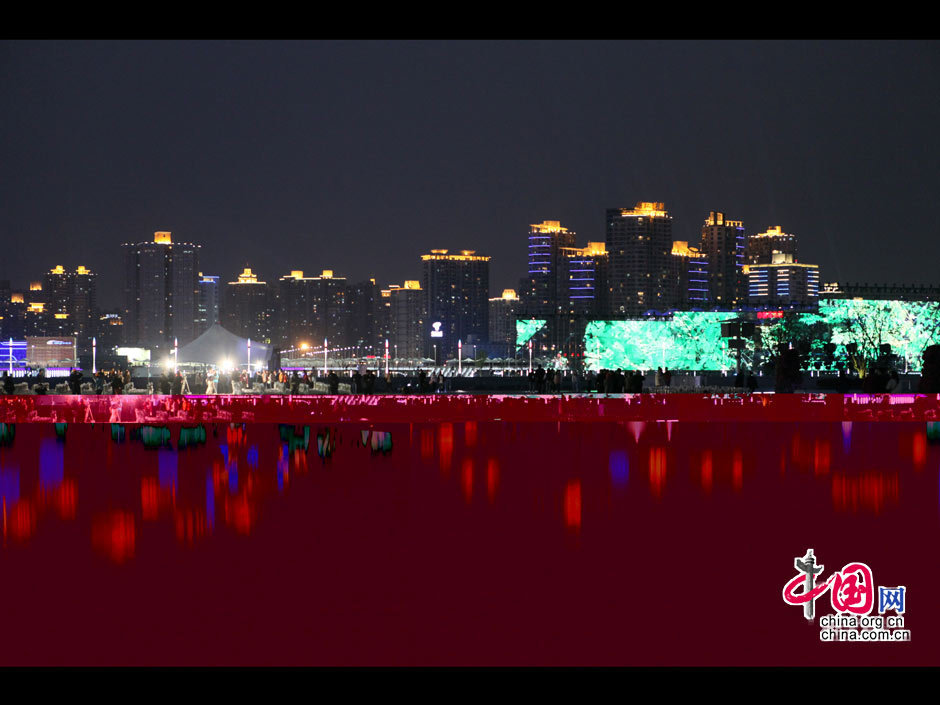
column 218, row 346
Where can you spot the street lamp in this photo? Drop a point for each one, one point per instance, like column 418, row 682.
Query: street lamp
column 435, row 354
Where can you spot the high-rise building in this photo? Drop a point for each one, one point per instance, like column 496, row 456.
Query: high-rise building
column 384, row 316
column 546, row 292
column 110, row 331
column 763, row 246
column 362, row 304
column 160, row 291
column 724, row 244
column 409, row 333
column 503, row 312
column 691, row 273
column 582, row 280
column 296, row 312
column 70, row 303
column 457, row 287
column 332, row 313
column 207, row 304
column 247, row 306
column 783, row 283
column 640, row 267
column 310, row 309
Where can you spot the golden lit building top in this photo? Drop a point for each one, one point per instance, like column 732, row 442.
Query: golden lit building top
column 548, row 226
column 718, row 218
column 507, row 295
column 464, row 256
column 297, row 274
column 16, row 298
column 682, row 249
column 247, row 277
column 412, row 284
column 595, row 249
column 84, row 270
column 162, row 238
column 36, row 307
column 647, row 209
column 327, row 274
column 35, row 286
column 58, row 269
column 775, row 231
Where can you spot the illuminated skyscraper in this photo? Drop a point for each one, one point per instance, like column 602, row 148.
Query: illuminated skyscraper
column 207, row 307
column 458, row 290
column 581, row 282
column 783, row 283
column 724, row 243
column 296, row 311
column 160, row 291
column 502, row 330
column 546, row 290
column 408, row 330
column 640, row 267
column 691, row 273
column 310, row 309
column 246, row 307
column 362, row 306
column 70, row 304
column 762, row 247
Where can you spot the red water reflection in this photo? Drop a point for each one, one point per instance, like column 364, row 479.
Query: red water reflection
column 345, row 543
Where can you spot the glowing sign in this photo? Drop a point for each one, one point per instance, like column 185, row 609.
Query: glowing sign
column 437, row 332
column 769, row 314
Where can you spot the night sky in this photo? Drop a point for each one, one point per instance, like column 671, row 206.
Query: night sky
column 360, row 156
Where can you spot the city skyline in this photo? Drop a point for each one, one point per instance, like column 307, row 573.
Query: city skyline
column 371, row 153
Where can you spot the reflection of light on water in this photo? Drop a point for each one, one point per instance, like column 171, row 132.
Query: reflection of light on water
column 210, row 499
column 114, row 535
column 821, row 455
column 846, row 435
column 167, row 462
column 920, row 449
column 470, row 433
column 573, row 504
column 707, row 470
column 492, row 478
column 282, row 470
column 737, row 470
column 149, row 499
column 636, row 428
column 868, row 492
column 445, row 442
column 619, row 466
column 51, row 463
column 427, row 443
column 466, row 479
column 657, row 471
